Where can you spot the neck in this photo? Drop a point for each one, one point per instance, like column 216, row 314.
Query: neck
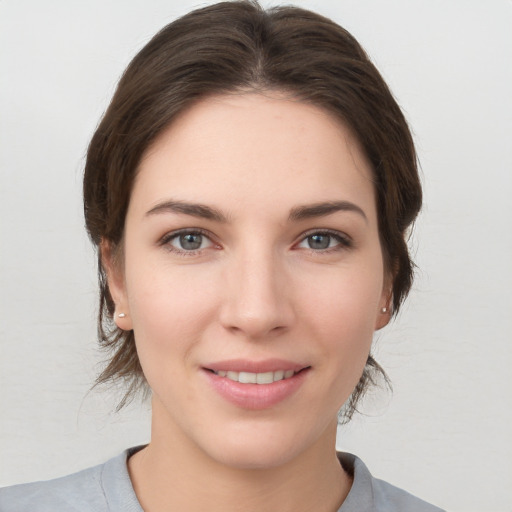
column 172, row 473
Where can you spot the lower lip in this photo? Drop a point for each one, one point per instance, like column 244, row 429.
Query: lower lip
column 256, row 396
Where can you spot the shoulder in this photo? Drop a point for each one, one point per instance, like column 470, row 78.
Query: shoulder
column 78, row 492
column 371, row 494
column 100, row 489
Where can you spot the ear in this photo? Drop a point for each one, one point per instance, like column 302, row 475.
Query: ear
column 113, row 267
column 384, row 313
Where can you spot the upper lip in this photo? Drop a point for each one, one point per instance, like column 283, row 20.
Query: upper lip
column 264, row 366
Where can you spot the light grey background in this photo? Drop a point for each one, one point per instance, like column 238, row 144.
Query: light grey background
column 445, row 432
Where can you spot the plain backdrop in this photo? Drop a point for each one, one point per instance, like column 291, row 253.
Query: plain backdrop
column 444, row 433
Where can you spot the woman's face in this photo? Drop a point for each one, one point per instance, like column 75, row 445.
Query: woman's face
column 252, row 277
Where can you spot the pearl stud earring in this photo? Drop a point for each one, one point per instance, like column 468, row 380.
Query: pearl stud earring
column 121, row 315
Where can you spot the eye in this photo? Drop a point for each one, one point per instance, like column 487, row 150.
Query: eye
column 187, row 241
column 321, row 241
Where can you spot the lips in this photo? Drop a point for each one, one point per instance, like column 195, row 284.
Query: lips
column 255, row 385
column 256, row 378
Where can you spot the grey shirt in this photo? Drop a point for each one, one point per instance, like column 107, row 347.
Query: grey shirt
column 107, row 488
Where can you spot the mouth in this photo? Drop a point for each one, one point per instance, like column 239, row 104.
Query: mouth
column 257, row 378
column 256, row 385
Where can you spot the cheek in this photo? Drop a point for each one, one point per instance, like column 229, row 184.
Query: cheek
column 170, row 310
column 342, row 311
column 345, row 301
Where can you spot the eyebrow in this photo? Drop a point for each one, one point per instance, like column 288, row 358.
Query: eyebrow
column 297, row 213
column 194, row 209
column 326, row 208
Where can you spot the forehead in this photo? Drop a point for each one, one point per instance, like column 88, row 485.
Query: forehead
column 253, row 149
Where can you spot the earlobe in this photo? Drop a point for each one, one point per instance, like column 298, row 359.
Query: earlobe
column 385, row 309
column 383, row 317
column 122, row 321
column 386, row 299
column 112, row 267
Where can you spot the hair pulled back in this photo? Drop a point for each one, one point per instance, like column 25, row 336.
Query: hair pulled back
column 238, row 46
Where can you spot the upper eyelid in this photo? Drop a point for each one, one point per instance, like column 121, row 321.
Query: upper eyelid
column 173, row 234
column 344, row 241
column 166, row 240
column 325, row 231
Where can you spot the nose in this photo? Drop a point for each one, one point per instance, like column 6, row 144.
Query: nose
column 257, row 299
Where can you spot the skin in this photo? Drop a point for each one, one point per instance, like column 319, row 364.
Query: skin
column 255, row 290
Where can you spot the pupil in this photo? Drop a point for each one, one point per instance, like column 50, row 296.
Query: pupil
column 319, row 241
column 191, row 241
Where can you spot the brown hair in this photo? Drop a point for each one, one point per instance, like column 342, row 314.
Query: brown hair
column 234, row 46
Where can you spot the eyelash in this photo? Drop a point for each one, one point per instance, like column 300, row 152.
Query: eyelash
column 169, row 237
column 344, row 242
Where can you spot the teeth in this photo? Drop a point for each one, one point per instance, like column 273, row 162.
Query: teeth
column 256, row 378
column 247, row 378
column 264, row 378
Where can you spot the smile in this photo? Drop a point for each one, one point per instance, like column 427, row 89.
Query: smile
column 256, row 378
column 268, row 384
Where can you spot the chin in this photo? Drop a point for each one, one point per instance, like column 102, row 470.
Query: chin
column 262, row 446
column 251, row 456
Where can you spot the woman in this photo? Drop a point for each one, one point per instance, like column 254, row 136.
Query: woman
column 248, row 190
